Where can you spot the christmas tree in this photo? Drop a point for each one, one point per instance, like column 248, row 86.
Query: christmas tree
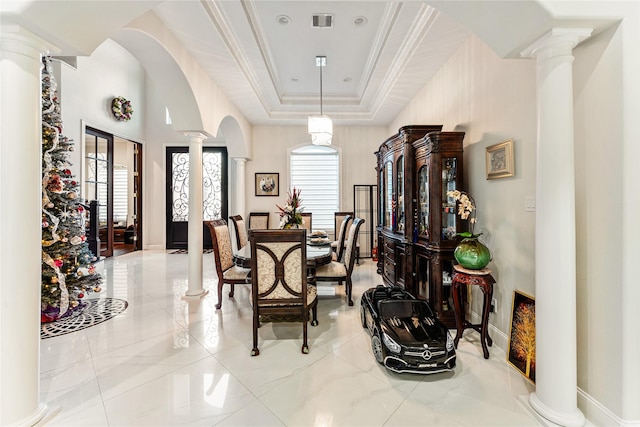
column 67, row 272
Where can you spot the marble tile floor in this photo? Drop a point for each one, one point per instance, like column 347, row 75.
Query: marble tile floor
column 166, row 362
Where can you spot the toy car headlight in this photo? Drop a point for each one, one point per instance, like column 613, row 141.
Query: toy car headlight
column 449, row 342
column 390, row 344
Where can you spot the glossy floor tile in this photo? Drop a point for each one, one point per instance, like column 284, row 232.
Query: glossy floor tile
column 165, row 361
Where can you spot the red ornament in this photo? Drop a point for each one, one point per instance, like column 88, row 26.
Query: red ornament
column 58, row 263
column 67, row 172
column 80, row 295
column 80, row 209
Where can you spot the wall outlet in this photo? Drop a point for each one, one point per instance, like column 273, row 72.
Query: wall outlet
column 494, row 305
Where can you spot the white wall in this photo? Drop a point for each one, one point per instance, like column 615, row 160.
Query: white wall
column 492, row 100
column 159, row 135
column 271, row 144
column 606, row 147
column 86, row 93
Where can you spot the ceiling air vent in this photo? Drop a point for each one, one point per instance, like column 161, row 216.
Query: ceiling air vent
column 322, row 20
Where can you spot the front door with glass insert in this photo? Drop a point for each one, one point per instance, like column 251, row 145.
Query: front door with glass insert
column 214, row 192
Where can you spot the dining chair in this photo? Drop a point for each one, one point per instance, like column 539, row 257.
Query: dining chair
column 338, row 217
column 279, row 280
column 306, row 221
column 226, row 270
column 338, row 245
column 258, row 220
column 337, row 271
column 240, row 231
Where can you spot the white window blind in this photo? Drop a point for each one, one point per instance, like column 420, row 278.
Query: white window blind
column 120, row 195
column 315, row 171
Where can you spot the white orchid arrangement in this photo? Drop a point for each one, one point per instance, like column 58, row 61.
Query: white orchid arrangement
column 466, row 210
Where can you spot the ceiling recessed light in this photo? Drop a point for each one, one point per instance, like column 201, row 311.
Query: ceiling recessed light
column 347, row 79
column 295, row 79
column 359, row 20
column 283, row 20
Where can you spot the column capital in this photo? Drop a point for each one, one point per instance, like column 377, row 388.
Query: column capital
column 557, row 42
column 196, row 134
column 240, row 160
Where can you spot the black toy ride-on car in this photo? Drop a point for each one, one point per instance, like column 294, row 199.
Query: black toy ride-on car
column 406, row 336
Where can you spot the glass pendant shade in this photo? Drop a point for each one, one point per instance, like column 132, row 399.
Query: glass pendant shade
column 321, row 129
column 320, row 126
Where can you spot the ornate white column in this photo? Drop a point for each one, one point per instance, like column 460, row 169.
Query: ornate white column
column 20, row 218
column 195, row 229
column 555, row 397
column 240, row 187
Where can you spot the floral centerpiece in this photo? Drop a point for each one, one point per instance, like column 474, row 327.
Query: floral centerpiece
column 470, row 252
column 290, row 214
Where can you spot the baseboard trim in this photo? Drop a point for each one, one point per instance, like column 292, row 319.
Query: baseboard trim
column 599, row 415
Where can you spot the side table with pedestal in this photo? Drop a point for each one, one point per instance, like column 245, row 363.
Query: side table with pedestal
column 460, row 279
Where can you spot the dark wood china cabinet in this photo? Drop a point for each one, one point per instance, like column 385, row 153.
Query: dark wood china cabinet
column 417, row 224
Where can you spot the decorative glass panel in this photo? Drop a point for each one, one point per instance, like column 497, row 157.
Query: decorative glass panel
column 180, row 186
column 388, row 206
column 211, row 186
column 449, row 173
column 423, row 202
column 400, row 186
column 381, row 196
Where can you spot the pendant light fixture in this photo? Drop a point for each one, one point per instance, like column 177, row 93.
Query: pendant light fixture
column 320, row 126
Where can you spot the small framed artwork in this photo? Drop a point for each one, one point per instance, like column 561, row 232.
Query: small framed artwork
column 500, row 160
column 522, row 339
column 267, row 184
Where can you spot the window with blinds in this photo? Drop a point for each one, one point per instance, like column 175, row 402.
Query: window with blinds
column 120, row 195
column 315, row 170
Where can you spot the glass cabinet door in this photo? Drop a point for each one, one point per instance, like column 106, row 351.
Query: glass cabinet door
column 388, row 189
column 400, row 192
column 449, row 174
column 423, row 202
column 381, row 197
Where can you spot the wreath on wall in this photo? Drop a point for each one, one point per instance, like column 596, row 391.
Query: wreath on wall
column 122, row 109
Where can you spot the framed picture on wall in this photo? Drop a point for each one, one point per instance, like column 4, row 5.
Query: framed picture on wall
column 499, row 159
column 522, row 339
column 267, row 184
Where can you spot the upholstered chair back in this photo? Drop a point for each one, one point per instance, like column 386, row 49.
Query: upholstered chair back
column 258, row 220
column 352, row 243
column 342, row 237
column 222, row 245
column 242, row 238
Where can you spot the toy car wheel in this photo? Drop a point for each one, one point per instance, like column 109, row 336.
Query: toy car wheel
column 376, row 346
column 363, row 316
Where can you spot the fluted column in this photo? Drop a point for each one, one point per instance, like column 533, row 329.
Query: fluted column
column 195, row 228
column 555, row 397
column 20, row 231
column 240, row 186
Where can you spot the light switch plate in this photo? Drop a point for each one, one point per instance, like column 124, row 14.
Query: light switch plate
column 530, row 203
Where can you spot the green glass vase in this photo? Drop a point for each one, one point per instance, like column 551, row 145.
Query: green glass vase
column 472, row 254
